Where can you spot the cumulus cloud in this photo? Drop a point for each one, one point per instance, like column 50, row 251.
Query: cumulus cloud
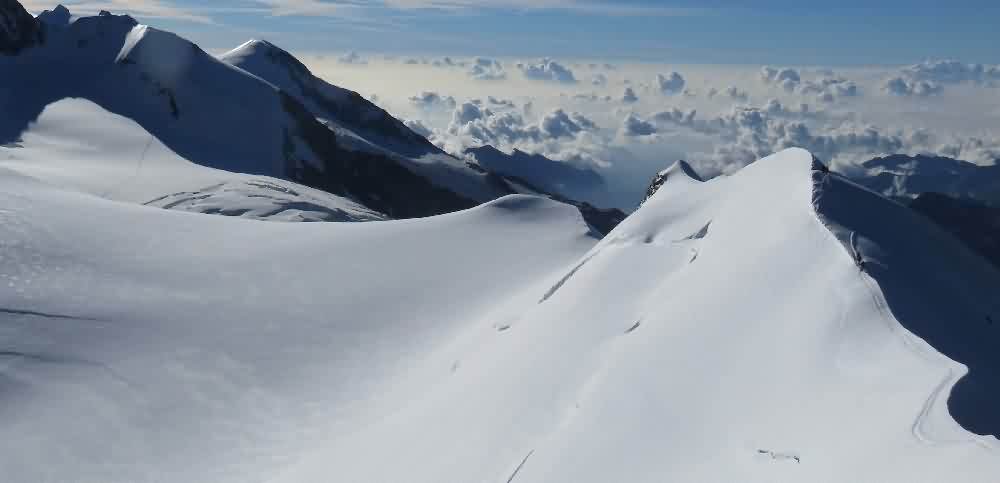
column 906, row 87
column 447, row 62
column 629, row 96
column 634, row 126
column 431, row 100
column 419, row 127
column 930, row 77
column 493, row 101
column 826, row 89
column 486, row 69
column 558, row 124
column 749, row 133
column 547, row 69
column 591, row 97
column 352, row 58
column 672, row 83
column 736, row 94
column 953, row 72
column 787, row 78
column 472, row 124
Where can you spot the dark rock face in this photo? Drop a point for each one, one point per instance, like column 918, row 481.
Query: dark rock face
column 18, row 28
column 974, row 223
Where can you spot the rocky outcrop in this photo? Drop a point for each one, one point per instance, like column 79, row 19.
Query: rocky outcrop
column 18, row 28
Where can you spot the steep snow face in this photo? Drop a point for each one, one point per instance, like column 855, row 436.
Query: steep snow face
column 726, row 331
column 79, row 146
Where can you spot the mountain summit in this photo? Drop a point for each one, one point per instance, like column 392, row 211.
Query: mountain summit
column 255, row 110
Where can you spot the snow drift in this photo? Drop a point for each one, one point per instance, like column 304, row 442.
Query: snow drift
column 779, row 324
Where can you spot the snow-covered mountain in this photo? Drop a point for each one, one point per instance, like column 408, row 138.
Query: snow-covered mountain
column 255, row 111
column 906, row 177
column 779, row 324
column 536, row 170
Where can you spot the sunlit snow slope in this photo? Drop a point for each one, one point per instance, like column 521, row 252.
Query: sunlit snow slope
column 726, row 331
column 78, row 145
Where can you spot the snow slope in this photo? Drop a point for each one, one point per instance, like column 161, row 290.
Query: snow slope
column 723, row 332
column 78, row 145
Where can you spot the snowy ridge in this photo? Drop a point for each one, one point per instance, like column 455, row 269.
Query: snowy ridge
column 79, row 146
column 779, row 324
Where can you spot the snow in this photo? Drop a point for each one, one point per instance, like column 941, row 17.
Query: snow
column 723, row 332
column 77, row 145
column 374, row 131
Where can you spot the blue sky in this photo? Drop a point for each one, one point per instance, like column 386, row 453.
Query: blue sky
column 845, row 32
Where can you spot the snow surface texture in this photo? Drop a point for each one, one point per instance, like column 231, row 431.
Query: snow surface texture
column 78, row 145
column 726, row 331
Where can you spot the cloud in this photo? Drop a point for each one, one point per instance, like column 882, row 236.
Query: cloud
column 472, row 124
column 419, row 127
column 493, row 101
column 549, row 70
column 152, row 9
column 787, row 78
column 930, row 77
column 558, row 124
column 599, row 79
column 672, row 83
column 629, row 96
column 588, row 7
column 486, row 69
column 906, row 87
column 352, row 58
column 447, row 62
column 432, row 100
column 825, row 89
column 737, row 94
column 953, row 72
column 748, row 133
column 634, row 126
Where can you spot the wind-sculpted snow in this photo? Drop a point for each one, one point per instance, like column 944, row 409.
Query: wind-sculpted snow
column 779, row 324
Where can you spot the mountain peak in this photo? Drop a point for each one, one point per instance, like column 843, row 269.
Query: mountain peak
column 680, row 170
column 681, row 167
column 57, row 17
column 18, row 29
